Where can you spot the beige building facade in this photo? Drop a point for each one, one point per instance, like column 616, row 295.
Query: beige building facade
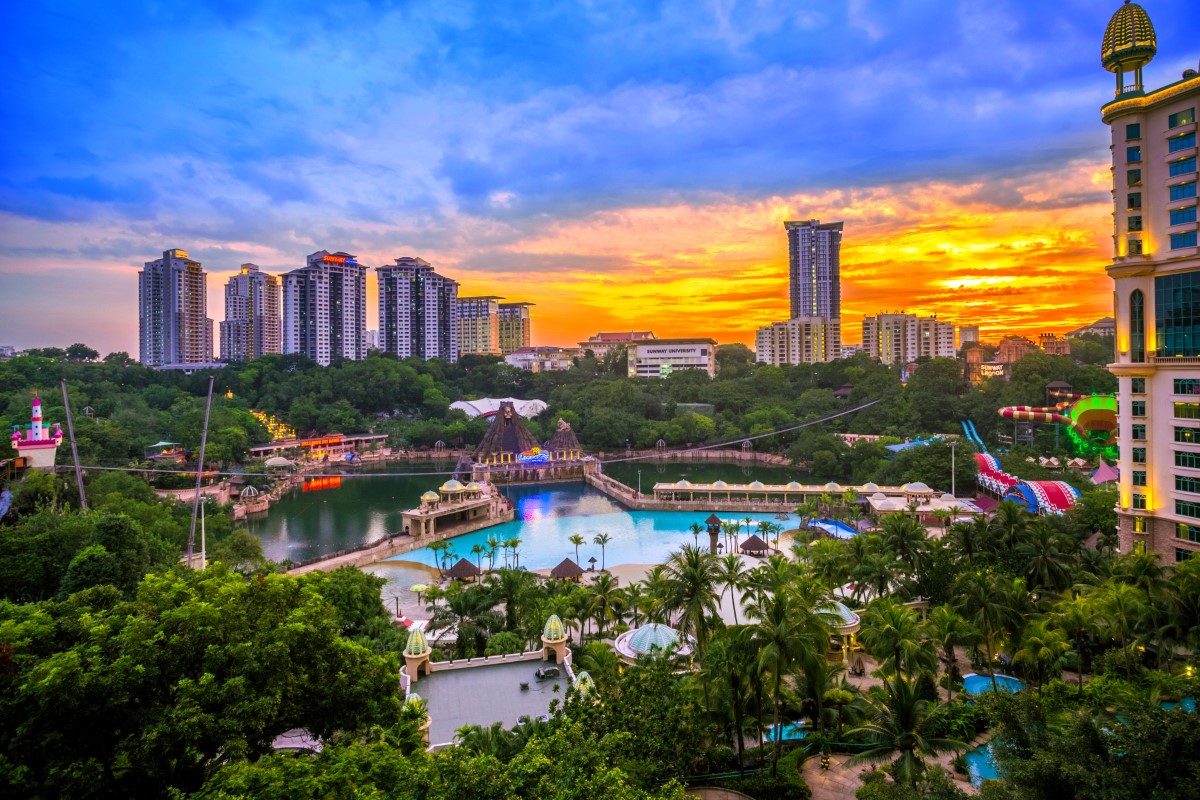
column 1156, row 274
column 804, row 340
column 479, row 325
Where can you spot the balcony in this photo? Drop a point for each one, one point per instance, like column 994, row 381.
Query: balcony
column 1167, row 361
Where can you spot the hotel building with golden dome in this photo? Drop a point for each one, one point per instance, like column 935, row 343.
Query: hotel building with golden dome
column 1156, row 272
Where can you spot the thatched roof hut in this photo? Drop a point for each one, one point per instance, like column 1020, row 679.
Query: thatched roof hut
column 463, row 571
column 567, row 570
column 754, row 546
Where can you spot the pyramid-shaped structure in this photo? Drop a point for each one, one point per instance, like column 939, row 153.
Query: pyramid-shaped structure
column 507, row 435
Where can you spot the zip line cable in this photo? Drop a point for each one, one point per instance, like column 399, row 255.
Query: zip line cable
column 739, row 440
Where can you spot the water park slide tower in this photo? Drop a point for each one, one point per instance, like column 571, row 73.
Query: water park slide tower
column 39, row 444
column 1089, row 419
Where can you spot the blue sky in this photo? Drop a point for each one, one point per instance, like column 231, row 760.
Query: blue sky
column 549, row 151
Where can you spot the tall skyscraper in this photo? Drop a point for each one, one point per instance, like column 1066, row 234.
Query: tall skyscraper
column 325, row 308
column 515, row 327
column 1156, row 269
column 173, row 323
column 804, row 340
column 903, row 338
column 418, row 311
column 479, row 325
column 814, row 268
column 252, row 325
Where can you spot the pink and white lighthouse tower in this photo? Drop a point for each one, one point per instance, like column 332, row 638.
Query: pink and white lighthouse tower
column 38, row 444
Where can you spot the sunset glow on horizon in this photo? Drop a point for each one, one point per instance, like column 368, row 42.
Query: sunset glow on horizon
column 623, row 165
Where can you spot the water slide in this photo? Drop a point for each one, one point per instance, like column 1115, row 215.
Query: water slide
column 1091, row 419
column 973, row 435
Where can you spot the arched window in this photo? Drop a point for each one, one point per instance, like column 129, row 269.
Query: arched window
column 1137, row 326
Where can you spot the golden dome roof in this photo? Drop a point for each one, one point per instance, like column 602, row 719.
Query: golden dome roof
column 1129, row 39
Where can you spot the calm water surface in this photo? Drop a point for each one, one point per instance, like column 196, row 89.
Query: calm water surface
column 366, row 506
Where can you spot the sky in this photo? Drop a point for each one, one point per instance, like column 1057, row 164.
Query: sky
column 622, row 165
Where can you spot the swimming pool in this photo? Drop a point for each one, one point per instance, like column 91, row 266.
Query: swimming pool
column 981, row 764
column 978, row 684
column 548, row 517
column 1187, row 704
column 835, row 528
column 791, row 733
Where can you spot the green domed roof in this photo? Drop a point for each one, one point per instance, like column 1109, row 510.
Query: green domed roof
column 1129, row 39
column 847, row 617
column 554, row 629
column 584, row 684
column 416, row 643
column 654, row 636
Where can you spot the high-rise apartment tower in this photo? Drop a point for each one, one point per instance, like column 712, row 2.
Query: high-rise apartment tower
column 173, row 323
column 418, row 311
column 252, row 325
column 515, row 327
column 1156, row 270
column 325, row 308
column 479, row 325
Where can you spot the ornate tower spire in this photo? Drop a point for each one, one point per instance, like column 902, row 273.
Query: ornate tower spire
column 1129, row 44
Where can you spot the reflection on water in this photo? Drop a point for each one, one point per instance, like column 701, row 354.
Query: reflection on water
column 365, row 507
column 362, row 509
column 547, row 518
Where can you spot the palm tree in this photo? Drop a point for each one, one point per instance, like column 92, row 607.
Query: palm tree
column 874, row 574
column 606, row 600
column 784, row 633
column 696, row 528
column 820, row 677
column 493, row 544
column 993, row 606
column 1122, row 606
column 469, row 611
column 692, row 576
column 807, row 512
column 635, row 597
column 1076, row 617
column 600, row 661
column 491, row 741
column 1047, row 564
column 731, row 574
column 576, row 539
column 1010, row 524
column 729, row 664
column 905, row 539
column 948, row 630
column 513, row 588
column 478, row 551
column 602, row 539
column 514, row 544
column 1042, row 651
column 892, row 634
column 850, row 503
column 900, row 729
column 970, row 539
column 439, row 549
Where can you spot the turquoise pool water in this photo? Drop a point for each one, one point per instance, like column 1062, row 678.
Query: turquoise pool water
column 548, row 517
column 981, row 764
column 835, row 528
column 791, row 733
column 978, row 684
column 1187, row 704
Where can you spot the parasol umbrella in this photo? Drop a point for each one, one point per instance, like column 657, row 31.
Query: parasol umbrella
column 418, row 588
